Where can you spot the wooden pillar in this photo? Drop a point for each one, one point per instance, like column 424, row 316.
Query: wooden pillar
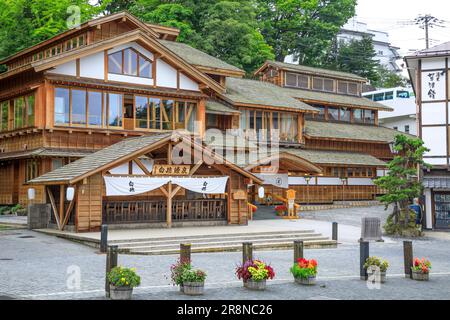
column 298, row 250
column 408, row 258
column 201, row 117
column 61, row 203
column 247, row 252
column 300, row 126
column 185, row 252
column 169, row 205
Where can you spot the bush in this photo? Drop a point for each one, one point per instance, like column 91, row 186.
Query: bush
column 400, row 229
column 4, row 210
column 189, row 275
column 124, row 277
column 376, row 262
column 304, row 268
column 16, row 208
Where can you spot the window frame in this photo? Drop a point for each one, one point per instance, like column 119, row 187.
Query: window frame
column 139, row 56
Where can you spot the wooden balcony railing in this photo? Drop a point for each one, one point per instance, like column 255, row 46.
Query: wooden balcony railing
column 127, row 212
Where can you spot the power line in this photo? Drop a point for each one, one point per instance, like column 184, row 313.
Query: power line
column 428, row 22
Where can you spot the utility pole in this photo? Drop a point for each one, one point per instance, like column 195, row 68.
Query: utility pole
column 427, row 22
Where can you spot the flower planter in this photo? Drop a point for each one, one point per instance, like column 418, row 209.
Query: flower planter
column 120, row 293
column 255, row 285
column 420, row 276
column 193, row 288
column 310, row 281
column 372, row 274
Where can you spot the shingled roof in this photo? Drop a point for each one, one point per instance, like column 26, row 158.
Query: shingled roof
column 218, row 107
column 99, row 159
column 336, row 99
column 197, row 57
column 336, row 157
column 259, row 93
column 344, row 131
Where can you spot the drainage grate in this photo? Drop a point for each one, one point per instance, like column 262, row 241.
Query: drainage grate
column 27, row 237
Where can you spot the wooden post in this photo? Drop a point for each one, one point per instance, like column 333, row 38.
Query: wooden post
column 61, row 203
column 185, row 252
column 111, row 262
column 169, row 205
column 247, row 252
column 334, row 232
column 363, row 255
column 104, row 238
column 298, row 250
column 408, row 258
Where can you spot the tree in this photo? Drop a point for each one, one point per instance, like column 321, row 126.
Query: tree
column 358, row 57
column 401, row 183
column 305, row 29
column 24, row 23
column 389, row 79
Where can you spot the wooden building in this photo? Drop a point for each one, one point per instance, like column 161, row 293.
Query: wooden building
column 115, row 78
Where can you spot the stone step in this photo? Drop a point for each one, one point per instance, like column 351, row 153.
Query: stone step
column 310, row 244
column 209, row 236
column 221, row 243
column 247, row 237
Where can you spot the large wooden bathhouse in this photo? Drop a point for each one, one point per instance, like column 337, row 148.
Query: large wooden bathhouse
column 96, row 106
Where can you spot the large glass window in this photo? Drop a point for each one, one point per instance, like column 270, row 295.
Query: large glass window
column 155, row 115
column 344, row 114
column 95, row 108
column 369, row 116
column 333, row 114
column 115, row 110
column 130, row 62
column 19, row 112
column 167, row 114
column 30, row 110
column 141, row 104
column 62, row 106
column 358, row 116
column 4, row 110
column 78, row 107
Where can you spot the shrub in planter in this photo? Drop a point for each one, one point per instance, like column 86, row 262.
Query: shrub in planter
column 281, row 210
column 377, row 266
column 122, row 281
column 421, row 269
column 193, row 281
column 255, row 273
column 305, row 271
column 176, row 271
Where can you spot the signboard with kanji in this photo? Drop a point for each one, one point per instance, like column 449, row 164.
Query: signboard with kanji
column 171, row 170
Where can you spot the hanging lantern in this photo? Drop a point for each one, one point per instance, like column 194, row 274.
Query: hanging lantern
column 70, row 193
column 261, row 192
column 31, row 194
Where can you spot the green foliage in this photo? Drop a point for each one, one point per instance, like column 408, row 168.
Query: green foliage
column 189, row 275
column 376, row 262
column 389, row 79
column 304, row 28
column 4, row 210
column 401, row 227
column 16, row 208
column 304, row 269
column 124, row 277
column 177, row 270
column 24, row 23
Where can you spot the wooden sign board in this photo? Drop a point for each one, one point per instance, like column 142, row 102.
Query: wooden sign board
column 290, row 194
column 171, row 170
column 240, row 195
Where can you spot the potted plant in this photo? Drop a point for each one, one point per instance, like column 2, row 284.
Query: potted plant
column 305, row 271
column 375, row 265
column 193, row 281
column 421, row 269
column 281, row 210
column 122, row 281
column 254, row 273
column 177, row 270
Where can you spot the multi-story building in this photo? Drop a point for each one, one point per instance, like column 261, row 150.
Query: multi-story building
column 403, row 102
column 98, row 104
column 428, row 70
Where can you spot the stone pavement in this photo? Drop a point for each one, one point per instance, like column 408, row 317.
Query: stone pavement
column 35, row 266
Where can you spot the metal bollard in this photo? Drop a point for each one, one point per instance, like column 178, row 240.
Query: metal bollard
column 363, row 255
column 104, row 238
column 334, row 233
column 408, row 258
column 247, row 252
column 298, row 250
column 185, row 252
column 111, row 262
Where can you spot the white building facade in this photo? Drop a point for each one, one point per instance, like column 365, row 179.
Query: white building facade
column 429, row 73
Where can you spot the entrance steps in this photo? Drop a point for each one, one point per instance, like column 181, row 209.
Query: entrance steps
column 223, row 242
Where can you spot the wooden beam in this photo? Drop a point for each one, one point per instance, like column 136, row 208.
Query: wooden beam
column 193, row 170
column 69, row 210
column 169, row 205
column 61, row 203
column 142, row 166
column 55, row 209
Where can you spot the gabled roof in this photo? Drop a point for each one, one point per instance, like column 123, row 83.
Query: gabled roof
column 309, row 96
column 199, row 58
column 322, row 157
column 44, row 152
column 246, row 92
column 135, row 35
column 220, row 108
column 354, row 132
column 439, row 50
column 311, row 70
column 122, row 152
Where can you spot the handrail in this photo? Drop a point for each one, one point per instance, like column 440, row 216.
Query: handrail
column 250, row 208
column 286, row 202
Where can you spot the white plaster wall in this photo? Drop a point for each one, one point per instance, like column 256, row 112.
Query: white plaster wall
column 433, row 63
column 436, row 161
column 68, row 68
column 93, row 66
column 329, row 182
column 187, row 84
column 400, row 124
column 129, row 79
column 166, row 75
column 433, row 113
column 428, row 209
column 360, row 182
column 438, row 81
column 435, row 140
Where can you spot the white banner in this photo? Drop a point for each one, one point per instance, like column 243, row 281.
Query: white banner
column 129, row 186
column 277, row 180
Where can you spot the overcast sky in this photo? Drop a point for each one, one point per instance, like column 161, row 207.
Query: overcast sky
column 394, row 15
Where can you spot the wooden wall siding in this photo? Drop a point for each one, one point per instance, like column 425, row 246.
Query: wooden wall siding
column 89, row 204
column 15, row 86
column 79, row 140
column 238, row 210
column 381, row 151
column 6, row 183
column 110, row 29
column 18, row 143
